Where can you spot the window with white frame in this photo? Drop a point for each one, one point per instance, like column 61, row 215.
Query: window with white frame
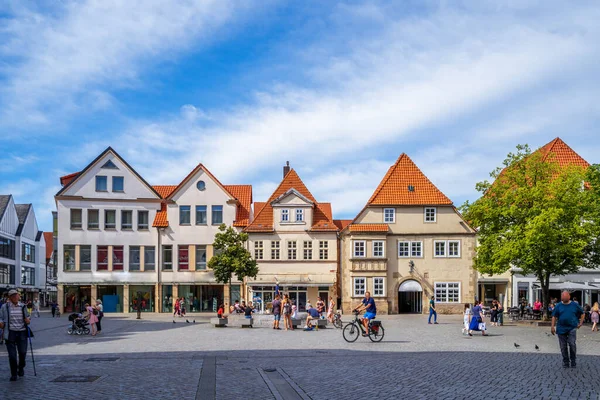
column 416, row 249
column 453, row 248
column 360, row 286
column 258, row 250
column 323, row 250
column 275, row 249
column 142, row 220
column 359, row 248
column 299, row 215
column 378, row 287
column 308, row 250
column 285, row 215
column 291, row 248
column 403, row 249
column 76, row 218
column 126, row 219
column 439, row 248
column 93, row 219
column 447, row 292
column 378, row 247
column 389, row 215
column 430, row 214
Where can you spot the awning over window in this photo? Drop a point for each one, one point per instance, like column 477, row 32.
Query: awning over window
column 572, row 286
column 410, row 286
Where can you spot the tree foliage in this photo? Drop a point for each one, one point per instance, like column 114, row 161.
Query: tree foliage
column 536, row 216
column 231, row 256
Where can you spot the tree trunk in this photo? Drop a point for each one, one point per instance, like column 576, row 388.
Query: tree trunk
column 229, row 305
column 544, row 278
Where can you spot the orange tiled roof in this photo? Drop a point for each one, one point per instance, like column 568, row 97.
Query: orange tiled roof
column 164, row 190
column 65, row 180
column 243, row 193
column 559, row 151
column 263, row 219
column 160, row 219
column 49, row 244
column 342, row 223
column 394, row 188
column 368, row 228
column 257, row 207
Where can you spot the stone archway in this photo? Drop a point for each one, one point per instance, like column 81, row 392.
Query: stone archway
column 410, row 297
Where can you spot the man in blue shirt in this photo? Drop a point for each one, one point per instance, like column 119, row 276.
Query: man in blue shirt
column 567, row 317
column 368, row 305
column 311, row 313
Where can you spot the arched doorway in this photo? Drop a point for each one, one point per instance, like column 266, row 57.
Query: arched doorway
column 410, row 298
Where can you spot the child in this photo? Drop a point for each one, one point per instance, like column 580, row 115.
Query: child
column 294, row 312
column 220, row 311
column 466, row 314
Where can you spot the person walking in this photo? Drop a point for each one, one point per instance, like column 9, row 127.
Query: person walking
column 36, row 307
column 476, row 323
column 466, row 318
column 100, row 309
column 14, row 318
column 494, row 313
column 432, row 311
column 567, row 317
column 287, row 313
column 595, row 317
column 176, row 308
column 54, row 306
column 331, row 310
column 92, row 318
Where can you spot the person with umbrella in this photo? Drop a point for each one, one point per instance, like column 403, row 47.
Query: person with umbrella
column 14, row 320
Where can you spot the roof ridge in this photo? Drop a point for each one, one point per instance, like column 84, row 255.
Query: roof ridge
column 386, row 177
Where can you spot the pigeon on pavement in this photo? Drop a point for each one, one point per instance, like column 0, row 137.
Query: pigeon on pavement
column 187, row 321
column 194, row 321
column 517, row 346
column 537, row 347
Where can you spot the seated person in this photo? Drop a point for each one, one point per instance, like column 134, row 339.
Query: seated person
column 220, row 311
column 294, row 311
column 311, row 313
column 236, row 307
column 368, row 305
column 248, row 311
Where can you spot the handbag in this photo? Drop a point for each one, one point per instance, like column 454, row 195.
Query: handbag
column 94, row 311
column 482, row 326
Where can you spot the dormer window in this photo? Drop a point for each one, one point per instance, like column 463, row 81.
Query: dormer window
column 299, row 215
column 285, row 215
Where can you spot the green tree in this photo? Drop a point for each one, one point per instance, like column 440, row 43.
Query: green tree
column 231, row 257
column 536, row 216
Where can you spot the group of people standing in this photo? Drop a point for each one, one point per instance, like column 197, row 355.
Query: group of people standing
column 179, row 308
column 94, row 315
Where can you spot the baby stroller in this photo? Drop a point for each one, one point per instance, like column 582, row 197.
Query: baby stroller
column 79, row 325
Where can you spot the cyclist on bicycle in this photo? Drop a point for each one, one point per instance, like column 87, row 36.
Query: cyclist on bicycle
column 368, row 305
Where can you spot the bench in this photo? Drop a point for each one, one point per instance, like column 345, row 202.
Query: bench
column 247, row 322
column 219, row 322
column 296, row 322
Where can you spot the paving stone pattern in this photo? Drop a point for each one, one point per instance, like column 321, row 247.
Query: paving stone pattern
column 156, row 359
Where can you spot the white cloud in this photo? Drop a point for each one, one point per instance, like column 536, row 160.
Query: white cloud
column 66, row 61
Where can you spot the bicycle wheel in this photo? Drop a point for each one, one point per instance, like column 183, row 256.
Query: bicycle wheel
column 351, row 332
column 377, row 336
column 337, row 322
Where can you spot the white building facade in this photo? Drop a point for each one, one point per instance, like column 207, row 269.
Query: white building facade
column 131, row 244
column 22, row 250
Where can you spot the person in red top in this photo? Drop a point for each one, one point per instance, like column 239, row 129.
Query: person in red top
column 537, row 306
column 220, row 311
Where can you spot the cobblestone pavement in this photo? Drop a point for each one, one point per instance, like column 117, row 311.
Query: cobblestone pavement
column 155, row 359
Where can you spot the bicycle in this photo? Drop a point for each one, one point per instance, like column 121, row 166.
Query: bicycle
column 337, row 320
column 353, row 329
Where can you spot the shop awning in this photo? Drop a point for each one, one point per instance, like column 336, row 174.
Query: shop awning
column 572, row 286
column 492, row 280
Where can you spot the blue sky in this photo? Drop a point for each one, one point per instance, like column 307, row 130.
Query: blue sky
column 339, row 89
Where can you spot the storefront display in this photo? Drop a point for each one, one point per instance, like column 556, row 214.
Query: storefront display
column 76, row 297
column 201, row 298
column 144, row 294
column 111, row 297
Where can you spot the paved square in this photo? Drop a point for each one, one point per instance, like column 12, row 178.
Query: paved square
column 155, row 359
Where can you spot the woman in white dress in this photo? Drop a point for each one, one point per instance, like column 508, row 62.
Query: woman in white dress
column 466, row 315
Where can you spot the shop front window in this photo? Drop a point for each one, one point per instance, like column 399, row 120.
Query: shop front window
column 112, row 298
column 143, row 295
column 167, row 298
column 76, row 297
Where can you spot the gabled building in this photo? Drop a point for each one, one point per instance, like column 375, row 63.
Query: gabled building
column 294, row 240
column 127, row 242
column 22, row 249
column 407, row 244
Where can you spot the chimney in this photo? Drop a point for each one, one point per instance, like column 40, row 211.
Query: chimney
column 286, row 168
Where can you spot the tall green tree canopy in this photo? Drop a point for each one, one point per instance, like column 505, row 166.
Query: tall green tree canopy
column 536, row 216
column 231, row 257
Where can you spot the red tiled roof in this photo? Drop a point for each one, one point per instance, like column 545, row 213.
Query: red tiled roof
column 394, row 188
column 257, row 207
column 243, row 194
column 48, row 238
column 164, row 190
column 160, row 220
column 263, row 219
column 65, row 180
column 559, row 151
column 342, row 223
column 368, row 228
